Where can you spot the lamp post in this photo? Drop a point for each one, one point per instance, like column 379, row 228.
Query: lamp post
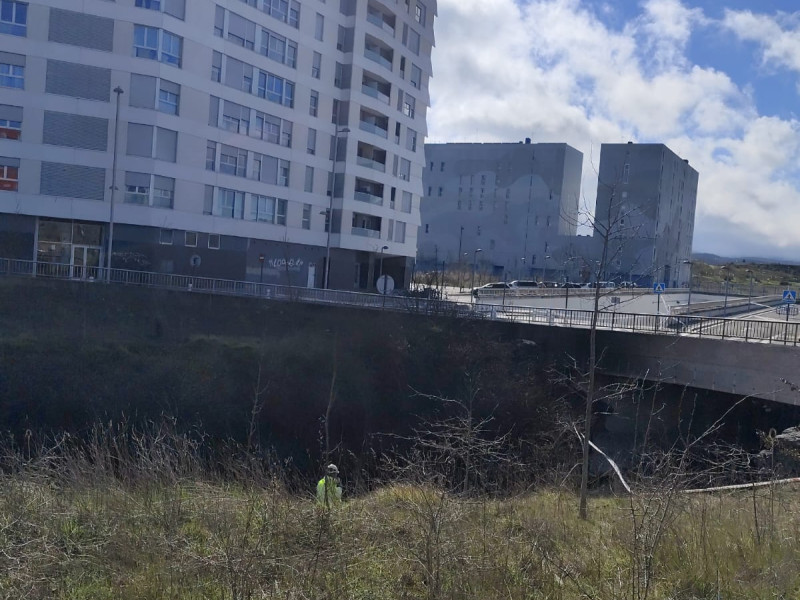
column 261, row 259
column 566, row 281
column 474, row 261
column 725, row 303
column 118, row 91
column 460, row 238
column 544, row 266
column 380, row 274
column 329, row 215
column 523, row 267
column 750, row 293
column 689, row 301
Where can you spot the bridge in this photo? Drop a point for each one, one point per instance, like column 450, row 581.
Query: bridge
column 741, row 356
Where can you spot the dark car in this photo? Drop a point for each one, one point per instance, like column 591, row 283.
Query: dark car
column 571, row 284
column 524, row 283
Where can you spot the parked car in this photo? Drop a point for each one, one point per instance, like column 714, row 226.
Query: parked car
column 524, row 283
column 497, row 285
column 549, row 284
column 571, row 284
column 628, row 284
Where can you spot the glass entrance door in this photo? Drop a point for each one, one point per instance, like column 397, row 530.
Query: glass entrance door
column 85, row 262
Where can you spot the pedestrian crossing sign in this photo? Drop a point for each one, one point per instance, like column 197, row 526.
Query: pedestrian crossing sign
column 789, row 296
column 658, row 288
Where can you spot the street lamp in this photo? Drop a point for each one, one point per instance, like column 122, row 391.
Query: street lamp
column 474, row 261
column 460, row 237
column 750, row 294
column 566, row 281
column 118, row 91
column 380, row 274
column 330, row 204
column 725, row 304
column 544, row 266
column 689, row 302
column 524, row 272
column 261, row 259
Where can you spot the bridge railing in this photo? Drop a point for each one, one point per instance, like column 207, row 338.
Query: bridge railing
column 772, row 332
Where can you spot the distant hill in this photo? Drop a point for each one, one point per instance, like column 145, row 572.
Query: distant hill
column 714, row 259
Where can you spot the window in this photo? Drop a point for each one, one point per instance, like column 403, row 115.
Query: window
column 231, row 203
column 151, row 4
column 166, row 236
column 216, row 66
column 268, row 209
column 219, row 21
column 241, row 31
column 287, row 11
column 275, row 89
column 157, row 44
column 409, row 105
column 400, row 232
column 313, row 104
column 311, row 145
column 190, row 239
column 236, row 117
column 163, row 191
column 405, row 204
column 213, row 241
column 419, row 13
column 626, row 172
column 283, row 172
column 13, row 18
column 411, row 39
column 137, row 188
column 306, row 223
column 440, row 192
column 9, row 174
column 405, row 169
column 211, row 155
column 12, row 76
column 309, row 183
column 232, row 161
column 411, row 141
column 273, row 129
column 10, row 122
column 319, row 27
column 278, row 48
column 416, row 76
column 316, row 65
column 441, row 166
column 169, row 95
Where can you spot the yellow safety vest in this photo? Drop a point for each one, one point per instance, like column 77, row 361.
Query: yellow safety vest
column 328, row 492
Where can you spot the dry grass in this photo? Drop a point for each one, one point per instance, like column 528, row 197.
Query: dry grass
column 71, row 531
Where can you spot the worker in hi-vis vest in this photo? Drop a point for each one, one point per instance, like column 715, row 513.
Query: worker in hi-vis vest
column 329, row 488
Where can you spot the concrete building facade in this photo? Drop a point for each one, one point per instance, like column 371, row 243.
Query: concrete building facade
column 515, row 204
column 646, row 200
column 232, row 117
column 519, row 205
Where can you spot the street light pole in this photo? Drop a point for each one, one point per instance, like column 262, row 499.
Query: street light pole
column 118, row 91
column 460, row 238
column 750, row 294
column 474, row 261
column 544, row 266
column 566, row 281
column 381, row 275
column 261, row 259
column 329, row 216
column 689, row 302
column 725, row 304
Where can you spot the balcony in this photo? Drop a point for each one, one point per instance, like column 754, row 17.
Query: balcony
column 367, row 197
column 377, row 18
column 378, row 52
column 371, row 164
column 373, row 128
column 375, row 93
column 364, row 232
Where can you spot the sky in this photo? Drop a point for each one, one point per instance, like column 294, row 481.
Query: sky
column 717, row 82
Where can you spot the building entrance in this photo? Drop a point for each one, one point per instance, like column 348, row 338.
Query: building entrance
column 69, row 249
column 85, row 262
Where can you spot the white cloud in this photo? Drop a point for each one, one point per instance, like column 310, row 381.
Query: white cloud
column 552, row 71
column 778, row 35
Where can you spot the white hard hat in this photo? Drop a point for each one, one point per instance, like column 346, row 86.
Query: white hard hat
column 332, row 469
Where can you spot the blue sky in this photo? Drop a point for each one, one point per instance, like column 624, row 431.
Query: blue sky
column 717, row 82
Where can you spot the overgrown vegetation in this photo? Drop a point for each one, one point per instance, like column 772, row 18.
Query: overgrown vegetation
column 151, row 514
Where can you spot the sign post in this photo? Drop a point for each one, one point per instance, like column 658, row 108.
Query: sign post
column 658, row 289
column 789, row 298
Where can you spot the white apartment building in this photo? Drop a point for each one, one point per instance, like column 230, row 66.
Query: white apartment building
column 235, row 120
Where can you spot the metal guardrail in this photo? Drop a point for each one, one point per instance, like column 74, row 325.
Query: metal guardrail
column 772, row 332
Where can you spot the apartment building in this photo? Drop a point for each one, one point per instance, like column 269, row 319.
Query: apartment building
column 646, row 200
column 510, row 208
column 252, row 139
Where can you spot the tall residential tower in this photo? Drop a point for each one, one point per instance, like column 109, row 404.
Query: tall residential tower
column 237, row 118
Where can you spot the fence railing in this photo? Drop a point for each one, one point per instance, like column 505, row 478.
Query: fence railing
column 772, row 332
